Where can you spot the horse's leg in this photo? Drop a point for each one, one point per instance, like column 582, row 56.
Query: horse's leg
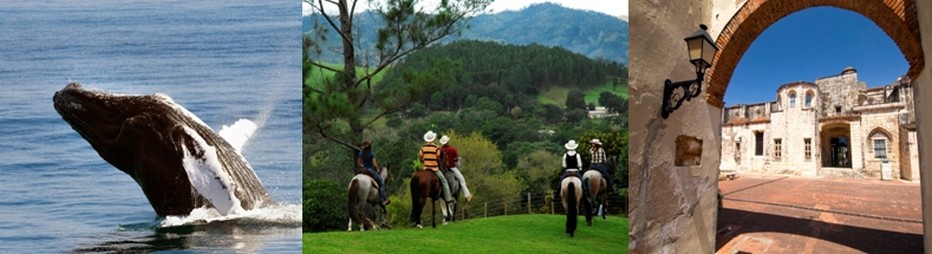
column 444, row 210
column 351, row 203
column 433, row 213
column 417, row 201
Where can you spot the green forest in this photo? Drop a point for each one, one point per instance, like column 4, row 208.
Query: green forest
column 508, row 110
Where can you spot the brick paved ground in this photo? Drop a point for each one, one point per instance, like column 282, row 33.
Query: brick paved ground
column 780, row 214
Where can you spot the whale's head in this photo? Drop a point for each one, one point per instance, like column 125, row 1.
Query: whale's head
column 122, row 128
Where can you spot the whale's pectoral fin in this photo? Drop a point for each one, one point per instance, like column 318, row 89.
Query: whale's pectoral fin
column 206, row 173
column 238, row 133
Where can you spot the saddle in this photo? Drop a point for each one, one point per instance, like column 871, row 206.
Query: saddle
column 572, row 173
column 367, row 173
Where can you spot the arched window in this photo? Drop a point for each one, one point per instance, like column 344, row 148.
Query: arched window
column 880, row 142
column 809, row 96
column 792, row 99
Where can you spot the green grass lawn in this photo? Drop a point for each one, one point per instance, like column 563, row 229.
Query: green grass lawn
column 557, row 95
column 553, row 96
column 593, row 94
column 317, row 73
column 502, row 234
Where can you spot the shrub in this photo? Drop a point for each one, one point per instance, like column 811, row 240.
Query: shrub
column 324, row 206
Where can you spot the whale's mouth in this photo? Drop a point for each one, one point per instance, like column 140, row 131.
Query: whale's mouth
column 90, row 113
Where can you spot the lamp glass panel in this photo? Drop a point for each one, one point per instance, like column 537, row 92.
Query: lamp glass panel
column 708, row 52
column 695, row 48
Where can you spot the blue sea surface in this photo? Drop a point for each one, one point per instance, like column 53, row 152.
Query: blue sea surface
column 222, row 60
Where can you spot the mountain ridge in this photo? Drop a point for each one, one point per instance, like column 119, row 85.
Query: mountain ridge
column 594, row 34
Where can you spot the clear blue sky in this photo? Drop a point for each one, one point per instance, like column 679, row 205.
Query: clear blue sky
column 810, row 44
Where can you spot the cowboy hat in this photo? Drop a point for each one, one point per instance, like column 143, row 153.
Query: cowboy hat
column 595, row 141
column 571, row 145
column 430, row 136
column 444, row 139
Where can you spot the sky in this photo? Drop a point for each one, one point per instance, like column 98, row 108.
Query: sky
column 612, row 7
column 811, row 44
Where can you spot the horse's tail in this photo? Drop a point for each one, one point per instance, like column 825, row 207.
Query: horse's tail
column 353, row 198
column 416, row 206
column 571, row 209
column 587, row 200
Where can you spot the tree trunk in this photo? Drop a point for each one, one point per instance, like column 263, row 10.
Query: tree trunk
column 349, row 51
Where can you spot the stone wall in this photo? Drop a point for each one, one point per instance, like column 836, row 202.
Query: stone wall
column 839, row 91
column 882, row 122
column 792, row 126
column 673, row 209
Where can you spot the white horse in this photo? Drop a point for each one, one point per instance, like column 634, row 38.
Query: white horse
column 570, row 193
column 364, row 193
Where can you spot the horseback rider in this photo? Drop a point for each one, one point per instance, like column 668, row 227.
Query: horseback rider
column 429, row 155
column 572, row 162
column 451, row 160
column 598, row 160
column 366, row 159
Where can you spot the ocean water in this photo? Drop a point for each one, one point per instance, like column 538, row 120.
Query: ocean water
column 222, row 60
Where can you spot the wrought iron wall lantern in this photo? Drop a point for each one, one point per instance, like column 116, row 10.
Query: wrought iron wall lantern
column 701, row 51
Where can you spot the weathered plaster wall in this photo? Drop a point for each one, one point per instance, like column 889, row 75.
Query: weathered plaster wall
column 923, row 89
column 888, row 122
column 673, row 209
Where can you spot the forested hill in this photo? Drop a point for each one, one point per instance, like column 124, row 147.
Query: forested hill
column 594, row 34
column 512, row 75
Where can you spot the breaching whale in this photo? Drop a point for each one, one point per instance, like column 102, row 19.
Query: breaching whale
column 177, row 160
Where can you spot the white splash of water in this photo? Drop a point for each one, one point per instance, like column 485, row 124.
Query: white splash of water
column 288, row 215
column 238, row 133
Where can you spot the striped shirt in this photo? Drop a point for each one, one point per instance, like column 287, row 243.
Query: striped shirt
column 430, row 155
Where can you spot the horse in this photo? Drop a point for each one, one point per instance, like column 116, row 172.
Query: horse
column 595, row 188
column 424, row 184
column 571, row 193
column 455, row 189
column 364, row 194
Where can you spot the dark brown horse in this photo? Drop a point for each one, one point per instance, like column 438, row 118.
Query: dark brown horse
column 424, row 184
column 364, row 195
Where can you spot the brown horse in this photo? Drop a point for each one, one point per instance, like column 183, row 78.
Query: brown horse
column 424, row 184
column 595, row 189
column 364, row 195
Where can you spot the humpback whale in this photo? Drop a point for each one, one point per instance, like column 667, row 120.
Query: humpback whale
column 177, row 160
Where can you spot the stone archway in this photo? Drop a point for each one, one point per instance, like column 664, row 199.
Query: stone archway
column 674, row 208
column 836, row 145
column 898, row 18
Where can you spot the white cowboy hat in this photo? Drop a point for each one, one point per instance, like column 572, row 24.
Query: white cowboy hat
column 571, row 145
column 595, row 141
column 444, row 139
column 430, row 136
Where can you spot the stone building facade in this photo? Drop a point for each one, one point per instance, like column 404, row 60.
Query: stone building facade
column 834, row 126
